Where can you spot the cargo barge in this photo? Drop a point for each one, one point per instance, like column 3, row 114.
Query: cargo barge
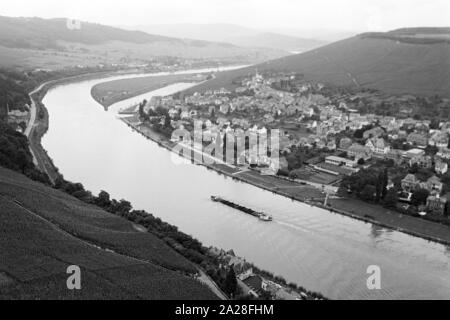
column 261, row 216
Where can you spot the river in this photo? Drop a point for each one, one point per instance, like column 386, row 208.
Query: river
column 319, row 250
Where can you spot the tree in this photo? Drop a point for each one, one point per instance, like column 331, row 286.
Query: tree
column 293, row 175
column 391, row 198
column 447, row 209
column 103, row 200
column 431, row 150
column 342, row 191
column 419, row 197
column 359, row 133
column 230, row 285
column 368, row 192
column 384, row 182
column 414, row 168
column 142, row 113
column 445, row 179
column 121, row 207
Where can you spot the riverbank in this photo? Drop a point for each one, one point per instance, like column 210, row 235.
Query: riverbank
column 352, row 208
column 111, row 92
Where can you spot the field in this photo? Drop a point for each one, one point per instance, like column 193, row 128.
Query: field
column 108, row 93
column 44, row 231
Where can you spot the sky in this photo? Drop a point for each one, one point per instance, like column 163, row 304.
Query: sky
column 349, row 15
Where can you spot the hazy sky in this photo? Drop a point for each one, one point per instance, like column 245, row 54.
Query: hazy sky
column 354, row 15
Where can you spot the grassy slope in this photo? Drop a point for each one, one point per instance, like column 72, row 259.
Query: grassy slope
column 385, row 64
column 34, row 254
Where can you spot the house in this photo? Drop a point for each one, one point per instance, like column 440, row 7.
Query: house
column 436, row 204
column 354, row 125
column 417, row 139
column 212, row 110
column 359, row 152
column 224, row 108
column 409, row 183
column 409, row 123
column 439, row 140
column 268, row 118
column 337, row 170
column 373, row 133
column 223, row 121
column 444, row 153
column 423, row 161
column 185, row 115
column 321, row 143
column 18, row 114
column 308, row 112
column 396, row 156
column 385, row 122
column 256, row 284
column 434, row 184
column 173, row 113
column 339, row 161
column 345, row 143
column 353, row 116
column 331, row 145
column 413, row 153
column 440, row 167
column 390, row 184
column 378, row 146
column 208, row 123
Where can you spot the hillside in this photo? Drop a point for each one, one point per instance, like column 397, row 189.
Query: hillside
column 45, row 230
column 235, row 35
column 206, row 32
column 47, row 43
column 278, row 41
column 414, row 61
column 37, row 33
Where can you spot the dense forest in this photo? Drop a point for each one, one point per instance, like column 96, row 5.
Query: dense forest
column 15, row 154
column 12, row 91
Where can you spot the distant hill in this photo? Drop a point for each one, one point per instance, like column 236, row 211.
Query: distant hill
column 207, row 32
column 278, row 41
column 234, row 34
column 37, row 33
column 414, row 61
column 49, row 43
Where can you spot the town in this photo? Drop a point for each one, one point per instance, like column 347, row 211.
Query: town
column 344, row 142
